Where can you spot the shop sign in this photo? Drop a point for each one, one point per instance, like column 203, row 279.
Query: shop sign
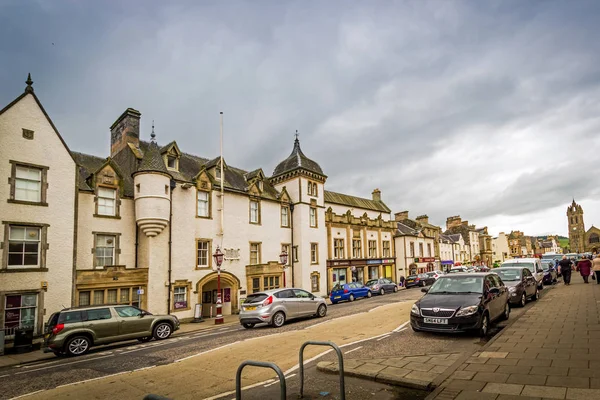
column 373, row 261
column 180, row 304
column 426, row 259
column 387, row 261
column 447, row 262
column 337, row 263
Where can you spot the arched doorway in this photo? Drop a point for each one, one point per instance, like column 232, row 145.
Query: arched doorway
column 207, row 293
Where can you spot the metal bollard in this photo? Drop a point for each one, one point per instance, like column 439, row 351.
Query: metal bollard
column 340, row 363
column 238, row 377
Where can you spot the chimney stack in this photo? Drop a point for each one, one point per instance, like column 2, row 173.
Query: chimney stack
column 465, row 223
column 376, row 195
column 451, row 222
column 401, row 216
column 423, row 219
column 126, row 129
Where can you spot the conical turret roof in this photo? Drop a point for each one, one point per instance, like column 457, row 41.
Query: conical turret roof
column 152, row 160
column 297, row 160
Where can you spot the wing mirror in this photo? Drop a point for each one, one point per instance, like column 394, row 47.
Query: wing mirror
column 494, row 290
column 425, row 290
column 143, row 314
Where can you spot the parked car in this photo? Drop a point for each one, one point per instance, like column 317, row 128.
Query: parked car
column 381, row 286
column 277, row 306
column 421, row 280
column 460, row 303
column 348, row 292
column 73, row 331
column 435, row 274
column 534, row 266
column 521, row 285
column 457, row 270
column 550, row 273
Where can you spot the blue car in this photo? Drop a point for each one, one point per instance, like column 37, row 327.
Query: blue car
column 348, row 292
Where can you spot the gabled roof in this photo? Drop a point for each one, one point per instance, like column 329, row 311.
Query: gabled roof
column 88, row 165
column 355, row 202
column 297, row 160
column 404, row 230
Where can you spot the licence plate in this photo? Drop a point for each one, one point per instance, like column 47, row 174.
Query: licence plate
column 410, row 281
column 250, row 308
column 337, row 297
column 442, row 321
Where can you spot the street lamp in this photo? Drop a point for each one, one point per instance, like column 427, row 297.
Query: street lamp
column 283, row 257
column 218, row 256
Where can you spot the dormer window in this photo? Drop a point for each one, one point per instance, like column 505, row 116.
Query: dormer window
column 260, row 185
column 218, row 172
column 172, row 162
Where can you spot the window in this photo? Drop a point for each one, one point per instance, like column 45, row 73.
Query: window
column 313, row 217
column 314, row 282
column 180, row 297
column 98, row 314
column 105, row 250
column 315, row 191
column 310, row 188
column 98, row 297
column 373, row 272
column 172, row 162
column 218, row 172
column 28, row 184
column 420, row 249
column 356, row 250
column 372, row 249
column 285, row 216
column 314, row 253
column 270, row 282
column 295, row 251
column 70, row 317
column 339, row 275
column 338, row 248
column 204, row 256
column 428, row 250
column 24, row 246
column 386, row 248
column 128, row 311
column 111, row 296
column 255, row 285
column 203, row 204
column 84, row 298
column 254, row 212
column 19, row 312
column 412, row 249
column 254, row 253
column 285, row 294
column 107, row 199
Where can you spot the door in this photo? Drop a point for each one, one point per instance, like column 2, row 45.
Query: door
column 490, row 297
column 132, row 323
column 360, row 290
column 290, row 303
column 306, row 305
column 530, row 282
column 388, row 285
column 104, row 325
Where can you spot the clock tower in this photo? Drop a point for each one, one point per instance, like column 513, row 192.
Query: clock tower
column 576, row 228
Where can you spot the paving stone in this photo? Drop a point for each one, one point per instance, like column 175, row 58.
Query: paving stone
column 514, row 397
column 420, row 359
column 493, row 354
column 535, row 363
column 557, row 356
column 397, row 372
column 574, row 382
column 527, row 379
column 513, row 369
column 522, row 356
column 583, row 394
column 544, row 391
column 476, row 396
column 447, row 394
column 554, row 371
column 502, row 361
column 463, row 375
column 595, row 383
column 491, row 377
column 438, row 369
column 352, row 363
column 419, row 366
column 445, row 363
column 395, row 362
column 503, row 388
column 368, row 368
column 584, row 372
column 465, row 385
column 475, row 360
column 481, row 368
column 422, row 376
column 570, row 363
column 454, row 356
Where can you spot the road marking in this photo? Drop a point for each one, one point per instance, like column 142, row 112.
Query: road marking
column 28, row 394
column 207, row 351
column 4, row 376
column 335, row 319
column 401, row 330
column 289, row 376
column 350, row 351
column 400, row 327
column 147, row 347
column 385, row 337
column 70, row 363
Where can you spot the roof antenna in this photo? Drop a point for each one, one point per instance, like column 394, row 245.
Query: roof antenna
column 153, row 135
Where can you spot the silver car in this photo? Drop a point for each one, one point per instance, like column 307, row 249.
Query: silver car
column 276, row 306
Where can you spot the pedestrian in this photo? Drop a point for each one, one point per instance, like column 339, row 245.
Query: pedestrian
column 596, row 268
column 402, row 279
column 585, row 268
column 565, row 265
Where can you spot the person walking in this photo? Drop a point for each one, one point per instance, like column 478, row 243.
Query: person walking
column 402, row 279
column 585, row 269
column 596, row 268
column 565, row 266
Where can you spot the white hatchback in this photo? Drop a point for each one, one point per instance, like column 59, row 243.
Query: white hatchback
column 534, row 265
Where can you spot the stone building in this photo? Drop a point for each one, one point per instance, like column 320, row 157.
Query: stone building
column 580, row 240
column 500, row 248
column 416, row 241
column 470, row 235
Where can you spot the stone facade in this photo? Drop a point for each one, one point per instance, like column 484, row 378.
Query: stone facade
column 500, row 248
column 580, row 240
column 415, row 245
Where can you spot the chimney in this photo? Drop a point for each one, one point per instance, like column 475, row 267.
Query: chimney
column 126, row 129
column 451, row 222
column 465, row 223
column 423, row 219
column 376, row 195
column 401, row 216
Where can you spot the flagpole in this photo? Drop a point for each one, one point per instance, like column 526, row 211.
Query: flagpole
column 219, row 257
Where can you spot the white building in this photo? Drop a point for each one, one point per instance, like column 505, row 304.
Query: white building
column 500, row 248
column 415, row 246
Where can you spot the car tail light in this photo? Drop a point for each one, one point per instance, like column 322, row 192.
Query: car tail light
column 268, row 301
column 345, row 290
column 58, row 328
column 376, row 287
column 417, row 279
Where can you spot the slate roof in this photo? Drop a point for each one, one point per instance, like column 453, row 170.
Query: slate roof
column 297, row 160
column 357, row 202
column 88, row 164
column 404, row 230
column 152, row 160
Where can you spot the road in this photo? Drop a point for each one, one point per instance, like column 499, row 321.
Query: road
column 205, row 351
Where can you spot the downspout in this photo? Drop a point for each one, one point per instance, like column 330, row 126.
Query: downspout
column 172, row 185
column 292, row 245
column 137, row 239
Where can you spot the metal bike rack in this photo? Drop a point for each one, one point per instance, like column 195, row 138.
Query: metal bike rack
column 238, row 377
column 340, row 363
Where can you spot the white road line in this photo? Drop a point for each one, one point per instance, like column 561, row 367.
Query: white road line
column 28, row 394
column 70, row 363
column 401, row 326
column 4, row 376
column 350, row 351
column 385, row 337
column 207, row 351
column 272, row 383
column 147, row 347
column 289, row 376
column 401, row 330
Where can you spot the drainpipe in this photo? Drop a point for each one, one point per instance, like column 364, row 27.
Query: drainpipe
column 137, row 238
column 292, row 245
column 173, row 185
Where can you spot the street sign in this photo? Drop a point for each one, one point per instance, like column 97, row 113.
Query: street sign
column 140, row 291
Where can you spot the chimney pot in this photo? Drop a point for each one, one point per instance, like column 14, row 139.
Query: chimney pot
column 126, row 129
column 401, row 216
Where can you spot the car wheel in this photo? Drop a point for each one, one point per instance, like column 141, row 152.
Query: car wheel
column 422, row 284
column 278, row 320
column 145, row 339
column 485, row 325
column 395, row 289
column 536, row 295
column 506, row 313
column 248, row 326
column 351, row 298
column 369, row 294
column 382, row 291
column 322, row 311
column 77, row 346
column 523, row 300
column 162, row 331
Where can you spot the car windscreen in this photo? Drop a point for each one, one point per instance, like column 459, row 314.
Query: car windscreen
column 255, row 298
column 411, row 277
column 509, row 274
column 529, row 266
column 546, row 265
column 457, row 284
column 371, row 282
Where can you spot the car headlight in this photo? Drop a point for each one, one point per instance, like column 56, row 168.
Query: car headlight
column 512, row 289
column 470, row 310
column 415, row 310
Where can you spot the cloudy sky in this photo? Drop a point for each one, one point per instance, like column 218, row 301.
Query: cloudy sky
column 487, row 109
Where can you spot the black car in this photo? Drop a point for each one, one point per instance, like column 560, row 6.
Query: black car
column 521, row 284
column 381, row 286
column 419, row 280
column 461, row 303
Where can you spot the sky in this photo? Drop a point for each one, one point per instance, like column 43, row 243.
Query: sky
column 485, row 109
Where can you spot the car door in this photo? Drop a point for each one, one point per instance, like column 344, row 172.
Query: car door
column 306, row 306
column 360, row 290
column 530, row 282
column 132, row 322
column 503, row 294
column 103, row 323
column 387, row 285
column 289, row 302
column 491, row 296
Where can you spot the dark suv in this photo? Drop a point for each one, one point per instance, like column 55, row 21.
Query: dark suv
column 73, row 331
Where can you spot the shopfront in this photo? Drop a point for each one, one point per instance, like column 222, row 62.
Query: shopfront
column 344, row 271
column 447, row 264
column 21, row 311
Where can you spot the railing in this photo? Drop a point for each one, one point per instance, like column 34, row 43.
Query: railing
column 238, row 377
column 340, row 363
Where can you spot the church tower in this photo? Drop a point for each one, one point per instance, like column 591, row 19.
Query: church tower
column 576, row 228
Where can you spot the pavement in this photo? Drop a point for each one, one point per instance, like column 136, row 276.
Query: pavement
column 550, row 352
column 10, row 359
